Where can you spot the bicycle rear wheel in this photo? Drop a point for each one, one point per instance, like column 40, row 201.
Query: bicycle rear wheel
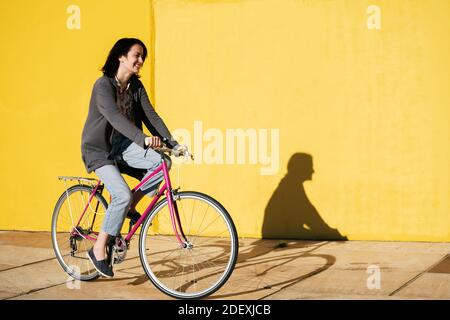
column 70, row 237
column 202, row 267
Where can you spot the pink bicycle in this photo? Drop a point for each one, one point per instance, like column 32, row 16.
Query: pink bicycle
column 188, row 244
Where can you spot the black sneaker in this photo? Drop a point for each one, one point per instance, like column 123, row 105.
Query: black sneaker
column 100, row 265
column 133, row 216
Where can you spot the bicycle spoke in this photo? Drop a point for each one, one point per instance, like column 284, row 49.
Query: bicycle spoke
column 209, row 238
column 203, row 219
column 168, row 255
column 193, row 273
column 201, row 232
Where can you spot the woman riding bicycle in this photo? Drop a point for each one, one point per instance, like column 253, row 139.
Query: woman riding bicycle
column 113, row 140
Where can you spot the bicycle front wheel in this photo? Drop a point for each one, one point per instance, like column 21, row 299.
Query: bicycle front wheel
column 205, row 264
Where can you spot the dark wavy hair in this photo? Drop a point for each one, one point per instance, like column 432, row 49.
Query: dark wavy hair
column 120, row 48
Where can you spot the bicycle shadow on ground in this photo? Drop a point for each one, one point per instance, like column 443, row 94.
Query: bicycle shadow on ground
column 289, row 213
column 261, row 263
column 265, row 264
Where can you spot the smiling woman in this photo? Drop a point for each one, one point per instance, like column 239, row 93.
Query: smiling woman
column 126, row 57
column 113, row 141
column 133, row 61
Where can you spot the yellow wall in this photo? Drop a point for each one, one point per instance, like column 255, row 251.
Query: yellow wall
column 47, row 73
column 370, row 106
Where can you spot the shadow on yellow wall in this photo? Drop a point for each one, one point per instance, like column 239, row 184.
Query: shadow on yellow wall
column 289, row 212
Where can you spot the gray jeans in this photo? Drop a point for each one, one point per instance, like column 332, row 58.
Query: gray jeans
column 121, row 197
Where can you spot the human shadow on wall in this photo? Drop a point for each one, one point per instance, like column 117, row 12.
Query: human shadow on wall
column 289, row 213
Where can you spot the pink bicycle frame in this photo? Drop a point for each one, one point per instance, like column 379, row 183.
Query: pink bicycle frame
column 166, row 189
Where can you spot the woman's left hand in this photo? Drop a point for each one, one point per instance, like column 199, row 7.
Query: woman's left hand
column 153, row 142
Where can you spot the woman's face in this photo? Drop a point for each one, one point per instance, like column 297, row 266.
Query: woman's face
column 133, row 61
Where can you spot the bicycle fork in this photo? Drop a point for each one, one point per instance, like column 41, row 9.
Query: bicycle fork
column 173, row 208
column 176, row 221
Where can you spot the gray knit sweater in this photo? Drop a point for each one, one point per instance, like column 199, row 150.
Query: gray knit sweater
column 104, row 117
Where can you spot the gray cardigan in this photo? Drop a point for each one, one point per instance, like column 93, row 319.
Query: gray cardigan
column 104, row 117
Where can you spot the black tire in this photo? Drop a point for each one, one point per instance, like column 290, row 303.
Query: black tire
column 209, row 260
column 75, row 262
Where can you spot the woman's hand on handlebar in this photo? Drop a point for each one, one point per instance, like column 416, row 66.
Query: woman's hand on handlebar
column 153, row 142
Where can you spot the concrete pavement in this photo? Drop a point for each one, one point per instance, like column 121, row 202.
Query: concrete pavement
column 266, row 269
